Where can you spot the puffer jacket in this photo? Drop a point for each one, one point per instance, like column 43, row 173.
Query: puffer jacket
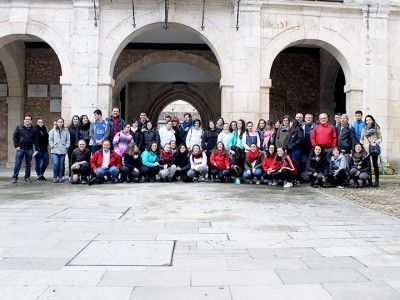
column 194, row 137
column 336, row 164
column 219, row 160
column 295, row 140
column 315, row 165
column 150, row 136
column 363, row 161
column 59, row 141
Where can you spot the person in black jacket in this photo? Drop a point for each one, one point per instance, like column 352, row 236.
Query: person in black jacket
column 25, row 141
column 74, row 132
column 346, row 136
column 209, row 138
column 42, row 155
column 317, row 167
column 84, row 130
column 360, row 165
column 131, row 163
column 137, row 134
column 150, row 135
column 236, row 158
column 294, row 145
column 80, row 160
column 182, row 163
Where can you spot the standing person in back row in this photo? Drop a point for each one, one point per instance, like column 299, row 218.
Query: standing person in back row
column 25, row 141
column 42, row 155
column 114, row 123
column 358, row 124
column 324, row 134
column 59, row 141
column 98, row 131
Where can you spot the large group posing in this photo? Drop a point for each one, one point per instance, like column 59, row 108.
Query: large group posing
column 287, row 152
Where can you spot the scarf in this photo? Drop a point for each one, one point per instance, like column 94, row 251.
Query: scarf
column 198, row 155
column 369, row 131
column 166, row 156
column 253, row 156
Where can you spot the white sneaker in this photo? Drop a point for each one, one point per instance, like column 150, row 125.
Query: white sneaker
column 340, row 187
column 274, row 182
column 258, row 182
column 288, row 185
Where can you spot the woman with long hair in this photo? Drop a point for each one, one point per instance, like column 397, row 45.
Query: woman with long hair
column 150, row 135
column 194, row 135
column 250, row 136
column 267, row 137
column 74, row 132
column 359, row 165
column 122, row 139
column 286, row 170
column 84, row 130
column 59, row 142
column 182, row 163
column 317, row 167
column 150, row 163
column 166, row 164
column 294, row 144
column 219, row 162
column 131, row 164
column 371, row 137
column 198, row 164
column 269, row 164
column 337, row 173
column 252, row 164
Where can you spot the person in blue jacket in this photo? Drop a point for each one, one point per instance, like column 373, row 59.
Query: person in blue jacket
column 358, row 124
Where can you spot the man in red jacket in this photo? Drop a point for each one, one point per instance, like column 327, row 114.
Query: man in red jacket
column 324, row 134
column 105, row 162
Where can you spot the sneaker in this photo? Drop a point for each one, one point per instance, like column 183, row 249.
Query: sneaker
column 257, row 181
column 55, row 180
column 274, row 183
column 195, row 179
column 43, row 178
column 28, row 180
column 287, row 184
column 202, row 179
column 340, row 187
column 268, row 182
column 61, row 180
column 237, row 181
column 14, row 180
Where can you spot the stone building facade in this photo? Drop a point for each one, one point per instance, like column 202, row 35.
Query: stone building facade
column 262, row 58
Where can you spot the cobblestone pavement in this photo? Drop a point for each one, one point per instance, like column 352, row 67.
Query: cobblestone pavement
column 386, row 198
column 192, row 241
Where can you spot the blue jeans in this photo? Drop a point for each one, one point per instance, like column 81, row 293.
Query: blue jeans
column 296, row 156
column 58, row 164
column 42, row 162
column 257, row 174
column 19, row 156
column 112, row 171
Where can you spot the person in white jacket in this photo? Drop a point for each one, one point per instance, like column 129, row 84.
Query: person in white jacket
column 198, row 164
column 223, row 136
column 167, row 134
column 194, row 135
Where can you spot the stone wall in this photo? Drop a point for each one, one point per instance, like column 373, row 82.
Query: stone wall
column 3, row 122
column 42, row 67
column 295, row 84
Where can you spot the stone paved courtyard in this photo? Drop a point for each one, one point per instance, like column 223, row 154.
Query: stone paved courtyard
column 192, row 241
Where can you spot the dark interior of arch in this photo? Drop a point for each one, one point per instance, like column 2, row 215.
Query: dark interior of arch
column 306, row 80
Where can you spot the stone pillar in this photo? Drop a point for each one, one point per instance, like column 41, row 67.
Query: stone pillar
column 15, row 116
column 247, row 98
column 375, row 97
column 354, row 100
column 264, row 99
column 227, row 102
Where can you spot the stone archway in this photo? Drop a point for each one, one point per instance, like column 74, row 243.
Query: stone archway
column 181, row 91
column 153, row 58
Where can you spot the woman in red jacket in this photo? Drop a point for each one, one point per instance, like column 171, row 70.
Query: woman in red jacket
column 269, row 165
column 219, row 162
column 286, row 170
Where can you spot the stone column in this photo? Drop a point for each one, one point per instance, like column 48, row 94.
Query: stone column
column 15, row 116
column 375, row 97
column 227, row 102
column 247, row 97
column 264, row 99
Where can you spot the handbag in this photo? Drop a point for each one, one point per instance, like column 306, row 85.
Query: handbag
column 374, row 149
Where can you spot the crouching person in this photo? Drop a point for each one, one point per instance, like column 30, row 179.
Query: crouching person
column 105, row 162
column 269, row 165
column 131, row 163
column 80, row 159
column 219, row 162
column 236, row 159
column 317, row 167
column 252, row 164
column 337, row 173
column 150, row 162
column 182, row 163
column 198, row 164
column 285, row 168
column 360, row 165
column 166, row 164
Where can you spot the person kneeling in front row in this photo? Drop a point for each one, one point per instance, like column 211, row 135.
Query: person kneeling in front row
column 105, row 162
column 198, row 164
column 360, row 165
column 317, row 167
column 337, row 173
column 80, row 159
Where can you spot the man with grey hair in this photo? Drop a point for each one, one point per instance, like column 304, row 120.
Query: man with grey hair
column 346, row 134
column 324, row 135
column 300, row 118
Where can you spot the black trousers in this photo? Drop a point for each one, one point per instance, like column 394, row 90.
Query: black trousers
column 221, row 174
column 149, row 171
column 374, row 158
column 128, row 174
column 339, row 179
column 284, row 175
column 84, row 170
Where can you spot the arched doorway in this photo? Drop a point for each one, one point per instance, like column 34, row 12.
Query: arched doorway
column 306, row 79
column 30, row 72
column 160, row 66
column 177, row 109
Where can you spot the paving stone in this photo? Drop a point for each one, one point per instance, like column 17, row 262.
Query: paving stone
column 124, row 253
column 361, row 290
column 350, row 251
column 382, row 260
column 216, row 278
column 98, row 293
column 271, row 263
column 331, row 262
column 21, row 292
column 147, row 278
column 192, row 237
column 381, row 273
column 394, row 284
column 283, row 252
column 320, row 275
column 277, row 292
column 10, row 263
column 174, row 293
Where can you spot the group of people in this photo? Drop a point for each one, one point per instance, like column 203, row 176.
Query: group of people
column 287, row 152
